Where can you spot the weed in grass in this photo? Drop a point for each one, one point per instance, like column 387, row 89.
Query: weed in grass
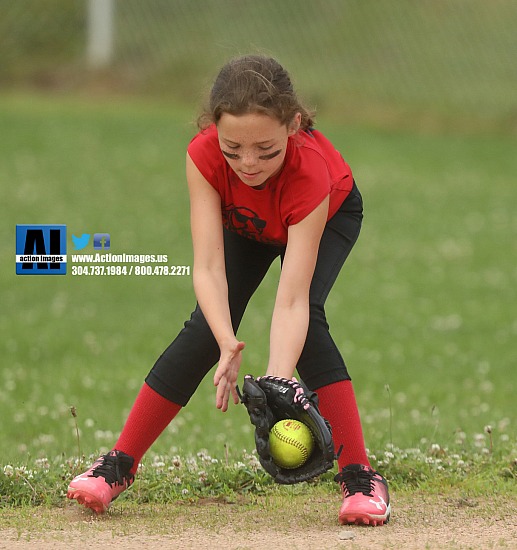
column 73, row 412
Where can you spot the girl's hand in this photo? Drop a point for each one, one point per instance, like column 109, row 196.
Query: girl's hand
column 225, row 376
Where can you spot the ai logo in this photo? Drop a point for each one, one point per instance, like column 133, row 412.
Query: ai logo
column 41, row 249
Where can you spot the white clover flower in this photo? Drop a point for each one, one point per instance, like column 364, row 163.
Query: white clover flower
column 46, row 438
column 191, row 463
column 413, row 451
column 8, row 470
column 176, row 481
column 415, row 414
column 254, row 462
column 479, row 440
column 42, row 463
column 503, row 424
column 100, row 434
column 184, row 491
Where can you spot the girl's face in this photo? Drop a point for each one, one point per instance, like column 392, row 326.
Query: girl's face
column 254, row 145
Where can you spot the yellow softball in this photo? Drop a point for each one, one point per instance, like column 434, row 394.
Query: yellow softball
column 290, row 443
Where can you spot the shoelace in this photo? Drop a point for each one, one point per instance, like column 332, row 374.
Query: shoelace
column 356, row 482
column 111, row 470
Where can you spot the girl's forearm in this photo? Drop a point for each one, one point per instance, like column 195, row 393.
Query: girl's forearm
column 212, row 295
column 288, row 333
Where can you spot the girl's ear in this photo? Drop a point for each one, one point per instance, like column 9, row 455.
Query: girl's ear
column 295, row 124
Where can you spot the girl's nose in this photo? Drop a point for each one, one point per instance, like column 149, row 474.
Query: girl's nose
column 249, row 158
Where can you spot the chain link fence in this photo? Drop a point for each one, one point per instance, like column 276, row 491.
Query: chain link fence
column 423, row 58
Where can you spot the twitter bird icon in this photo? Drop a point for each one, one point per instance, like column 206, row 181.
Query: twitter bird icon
column 82, row 241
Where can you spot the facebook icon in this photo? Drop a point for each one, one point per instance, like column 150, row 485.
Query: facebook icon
column 101, row 241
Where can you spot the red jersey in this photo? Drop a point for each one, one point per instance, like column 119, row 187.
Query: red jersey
column 312, row 169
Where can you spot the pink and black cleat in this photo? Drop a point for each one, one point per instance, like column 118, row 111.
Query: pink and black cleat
column 366, row 499
column 99, row 486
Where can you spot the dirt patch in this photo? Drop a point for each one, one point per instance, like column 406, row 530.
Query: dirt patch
column 418, row 522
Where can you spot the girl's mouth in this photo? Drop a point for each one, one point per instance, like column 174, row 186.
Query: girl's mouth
column 250, row 176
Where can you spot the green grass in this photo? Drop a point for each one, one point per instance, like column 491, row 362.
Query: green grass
column 167, row 479
column 424, row 310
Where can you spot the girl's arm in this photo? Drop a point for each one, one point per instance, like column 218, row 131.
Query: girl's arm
column 291, row 312
column 209, row 276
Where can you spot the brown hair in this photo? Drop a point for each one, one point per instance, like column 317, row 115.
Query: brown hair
column 254, row 84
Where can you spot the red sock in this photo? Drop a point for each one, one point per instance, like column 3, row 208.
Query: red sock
column 339, row 407
column 150, row 415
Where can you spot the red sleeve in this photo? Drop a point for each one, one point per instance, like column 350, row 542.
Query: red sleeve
column 206, row 154
column 307, row 184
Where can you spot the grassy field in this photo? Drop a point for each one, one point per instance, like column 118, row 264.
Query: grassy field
column 425, row 310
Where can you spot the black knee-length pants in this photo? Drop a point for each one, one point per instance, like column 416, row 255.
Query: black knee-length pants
column 180, row 369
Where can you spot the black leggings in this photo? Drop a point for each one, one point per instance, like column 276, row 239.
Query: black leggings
column 182, row 366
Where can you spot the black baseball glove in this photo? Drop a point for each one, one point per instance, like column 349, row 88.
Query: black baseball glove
column 270, row 399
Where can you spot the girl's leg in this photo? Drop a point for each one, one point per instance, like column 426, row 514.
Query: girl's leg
column 173, row 379
column 180, row 369
column 149, row 416
column 321, row 367
column 339, row 407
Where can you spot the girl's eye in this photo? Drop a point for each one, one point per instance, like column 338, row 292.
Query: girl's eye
column 268, row 148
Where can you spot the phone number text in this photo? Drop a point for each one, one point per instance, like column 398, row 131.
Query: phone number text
column 114, row 270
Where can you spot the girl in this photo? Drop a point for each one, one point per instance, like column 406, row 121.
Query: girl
column 263, row 184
